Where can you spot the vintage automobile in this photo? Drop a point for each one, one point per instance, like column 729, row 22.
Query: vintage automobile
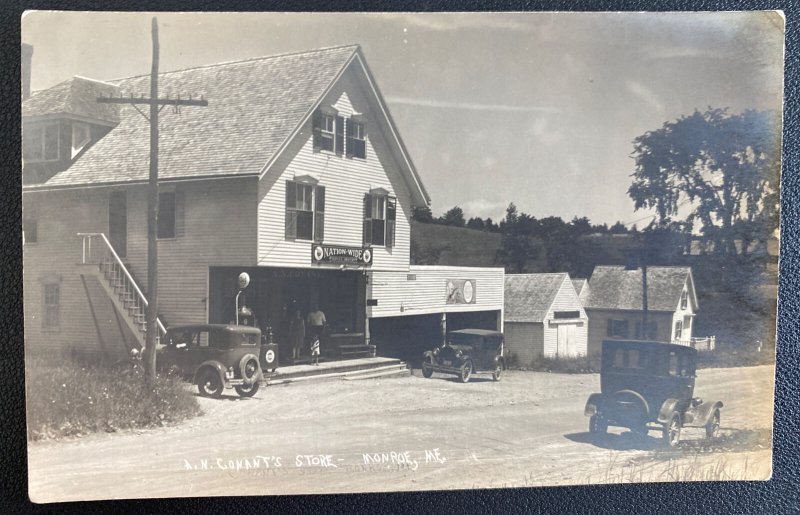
column 217, row 356
column 467, row 351
column 645, row 383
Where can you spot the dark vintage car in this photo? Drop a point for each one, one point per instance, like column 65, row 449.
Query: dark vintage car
column 218, row 356
column 467, row 351
column 650, row 383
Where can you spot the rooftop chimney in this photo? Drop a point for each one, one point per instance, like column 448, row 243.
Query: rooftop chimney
column 27, row 55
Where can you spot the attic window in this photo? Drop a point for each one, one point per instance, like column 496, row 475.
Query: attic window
column 684, row 299
column 328, row 129
column 356, row 138
column 41, row 142
column 566, row 314
column 80, row 137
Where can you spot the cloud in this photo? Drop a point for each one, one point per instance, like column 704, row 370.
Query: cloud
column 496, row 210
column 453, row 21
column 540, row 130
column 644, row 93
column 472, row 106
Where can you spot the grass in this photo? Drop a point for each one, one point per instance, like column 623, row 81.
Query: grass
column 576, row 365
column 695, row 468
column 73, row 398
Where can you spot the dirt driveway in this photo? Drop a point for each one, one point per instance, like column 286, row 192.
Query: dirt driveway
column 405, row 433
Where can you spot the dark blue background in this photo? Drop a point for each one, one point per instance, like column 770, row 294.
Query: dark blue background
column 781, row 494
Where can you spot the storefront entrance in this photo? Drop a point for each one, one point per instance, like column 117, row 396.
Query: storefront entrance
column 276, row 294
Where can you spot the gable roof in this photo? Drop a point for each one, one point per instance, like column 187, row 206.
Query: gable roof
column 580, row 285
column 254, row 108
column 614, row 287
column 528, row 297
column 76, row 97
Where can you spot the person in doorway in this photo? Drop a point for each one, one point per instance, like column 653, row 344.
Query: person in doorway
column 297, row 334
column 316, row 323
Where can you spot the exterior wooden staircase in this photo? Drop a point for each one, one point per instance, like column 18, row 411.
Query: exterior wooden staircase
column 119, row 284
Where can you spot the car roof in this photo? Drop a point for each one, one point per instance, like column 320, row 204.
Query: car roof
column 477, row 332
column 643, row 343
column 224, row 327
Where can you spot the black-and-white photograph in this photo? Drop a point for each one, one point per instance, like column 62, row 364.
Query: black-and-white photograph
column 317, row 253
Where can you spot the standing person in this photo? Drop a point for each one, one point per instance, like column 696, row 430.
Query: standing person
column 316, row 323
column 315, row 351
column 297, row 334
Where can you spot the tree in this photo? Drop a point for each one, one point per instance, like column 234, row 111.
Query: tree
column 518, row 245
column 422, row 214
column 454, row 217
column 724, row 166
column 476, row 223
column 618, row 228
column 581, row 226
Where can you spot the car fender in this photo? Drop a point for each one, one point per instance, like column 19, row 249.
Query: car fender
column 428, row 354
column 667, row 408
column 704, row 411
column 214, row 365
column 501, row 361
column 594, row 404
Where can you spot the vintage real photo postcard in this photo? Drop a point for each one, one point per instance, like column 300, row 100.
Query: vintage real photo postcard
column 274, row 253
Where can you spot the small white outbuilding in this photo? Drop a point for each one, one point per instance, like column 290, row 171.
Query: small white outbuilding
column 543, row 317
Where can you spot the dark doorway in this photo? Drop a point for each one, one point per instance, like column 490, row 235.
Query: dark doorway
column 118, row 222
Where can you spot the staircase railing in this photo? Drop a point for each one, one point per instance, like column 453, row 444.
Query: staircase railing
column 103, row 254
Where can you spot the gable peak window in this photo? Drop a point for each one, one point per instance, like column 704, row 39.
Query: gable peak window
column 305, row 209
column 356, row 137
column 328, row 129
column 684, row 299
column 380, row 213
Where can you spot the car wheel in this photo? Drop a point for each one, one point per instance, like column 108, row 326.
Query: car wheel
column 597, row 425
column 466, row 371
column 497, row 370
column 209, row 383
column 672, row 430
column 247, row 390
column 712, row 428
column 427, row 368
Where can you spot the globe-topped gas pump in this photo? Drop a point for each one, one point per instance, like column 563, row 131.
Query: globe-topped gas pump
column 244, row 315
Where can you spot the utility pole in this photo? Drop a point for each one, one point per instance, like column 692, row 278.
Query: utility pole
column 156, row 105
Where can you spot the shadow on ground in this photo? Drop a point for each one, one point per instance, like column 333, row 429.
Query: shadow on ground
column 692, row 440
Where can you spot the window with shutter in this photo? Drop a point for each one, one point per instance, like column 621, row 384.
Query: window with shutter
column 324, row 130
column 339, row 143
column 319, row 214
column 166, row 214
column 391, row 217
column 301, row 211
column 367, row 219
column 359, row 141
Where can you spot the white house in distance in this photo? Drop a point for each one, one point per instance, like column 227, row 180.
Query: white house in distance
column 543, row 317
column 294, row 173
column 615, row 304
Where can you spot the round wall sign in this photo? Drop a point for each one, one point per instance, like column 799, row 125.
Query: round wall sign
column 318, row 253
column 469, row 291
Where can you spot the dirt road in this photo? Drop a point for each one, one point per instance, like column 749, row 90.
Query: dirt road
column 405, row 433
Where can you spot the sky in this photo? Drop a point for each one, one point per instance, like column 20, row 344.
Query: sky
column 539, row 109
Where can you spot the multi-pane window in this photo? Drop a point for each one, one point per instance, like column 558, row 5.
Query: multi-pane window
column 650, row 332
column 356, row 139
column 80, row 137
column 380, row 212
column 52, row 304
column 41, row 142
column 166, row 214
column 327, row 132
column 305, row 211
column 678, row 329
column 335, row 133
column 617, row 329
column 684, row 299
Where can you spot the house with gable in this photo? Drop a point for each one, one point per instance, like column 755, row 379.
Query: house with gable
column 294, row 173
column 615, row 304
column 543, row 317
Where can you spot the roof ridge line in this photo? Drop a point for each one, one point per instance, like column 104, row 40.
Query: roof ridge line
column 240, row 61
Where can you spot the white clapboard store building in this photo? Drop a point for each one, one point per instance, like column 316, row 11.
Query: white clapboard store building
column 294, row 173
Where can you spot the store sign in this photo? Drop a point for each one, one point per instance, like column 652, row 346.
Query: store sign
column 461, row 291
column 340, row 255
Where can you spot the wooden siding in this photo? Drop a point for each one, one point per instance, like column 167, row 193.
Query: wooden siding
column 565, row 300
column 598, row 325
column 523, row 340
column 216, row 227
column 397, row 295
column 346, row 181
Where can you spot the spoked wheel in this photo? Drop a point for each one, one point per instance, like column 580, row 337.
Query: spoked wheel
column 427, row 368
column 497, row 370
column 466, row 371
column 672, row 430
column 597, row 425
column 209, row 383
column 247, row 390
column 712, row 428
